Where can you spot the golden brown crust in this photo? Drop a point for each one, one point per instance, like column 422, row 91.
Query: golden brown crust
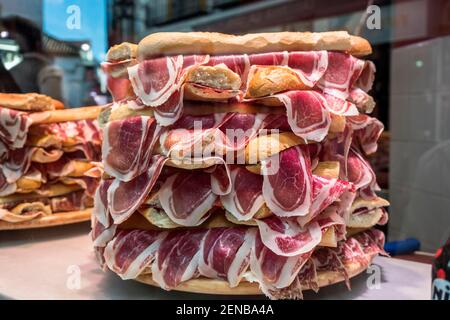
column 120, row 52
column 267, row 80
column 173, row 43
column 220, row 287
column 27, row 101
column 52, row 190
column 55, row 116
column 52, row 220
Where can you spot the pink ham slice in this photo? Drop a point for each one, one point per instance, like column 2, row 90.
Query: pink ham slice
column 178, row 257
column 102, row 234
column 241, row 128
column 128, row 145
column 367, row 131
column 350, row 251
column 326, row 259
column 158, row 83
column 273, row 271
column 19, row 161
column 360, row 172
column 100, row 210
column 325, row 192
column 245, row 198
column 342, row 72
column 186, row 197
column 307, row 114
column 132, row 251
column 287, row 189
column 14, row 127
column 125, row 197
column 285, row 237
column 308, row 276
column 225, row 253
column 366, row 77
column 340, row 106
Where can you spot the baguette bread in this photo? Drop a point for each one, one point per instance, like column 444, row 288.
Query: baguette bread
column 174, row 43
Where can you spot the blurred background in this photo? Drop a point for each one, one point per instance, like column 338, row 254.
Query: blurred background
column 56, row 47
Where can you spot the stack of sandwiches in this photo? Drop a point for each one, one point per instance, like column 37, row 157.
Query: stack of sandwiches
column 237, row 164
column 50, row 162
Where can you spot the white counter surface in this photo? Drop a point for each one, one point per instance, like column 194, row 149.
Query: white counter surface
column 44, row 264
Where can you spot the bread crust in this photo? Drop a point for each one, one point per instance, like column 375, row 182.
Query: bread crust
column 173, row 43
column 221, row 287
column 55, row 219
column 75, row 114
column 27, row 102
column 122, row 51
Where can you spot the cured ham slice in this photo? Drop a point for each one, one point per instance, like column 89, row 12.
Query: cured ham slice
column 128, row 145
column 362, row 100
column 340, row 106
column 307, row 114
column 177, row 258
column 225, row 253
column 197, row 143
column 286, row 238
column 359, row 171
column 366, row 77
column 342, row 72
column 240, row 128
column 308, row 275
column 154, row 81
column 350, row 251
column 124, row 197
column 325, row 192
column 158, row 83
column 19, row 161
column 14, row 127
column 337, row 149
column 273, row 271
column 187, row 197
column 101, row 234
column 245, row 198
column 287, row 184
column 367, row 131
column 326, row 259
column 170, row 111
column 100, row 210
column 132, row 251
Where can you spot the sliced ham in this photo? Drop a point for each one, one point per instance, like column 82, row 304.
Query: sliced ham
column 307, row 113
column 178, row 257
column 245, row 198
column 128, row 145
column 326, row 259
column 325, row 192
column 273, row 271
column 132, row 251
column 125, row 197
column 225, row 253
column 367, row 131
column 285, row 237
column 186, row 197
column 14, row 127
column 342, row 72
column 287, row 185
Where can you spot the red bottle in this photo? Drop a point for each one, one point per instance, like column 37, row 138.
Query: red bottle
column 441, row 273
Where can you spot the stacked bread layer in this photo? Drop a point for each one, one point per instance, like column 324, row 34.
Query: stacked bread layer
column 50, row 158
column 239, row 167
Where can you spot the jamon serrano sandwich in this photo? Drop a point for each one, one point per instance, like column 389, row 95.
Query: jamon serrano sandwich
column 49, row 161
column 237, row 164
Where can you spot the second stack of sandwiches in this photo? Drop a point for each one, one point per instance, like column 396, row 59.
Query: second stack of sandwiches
column 49, row 161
